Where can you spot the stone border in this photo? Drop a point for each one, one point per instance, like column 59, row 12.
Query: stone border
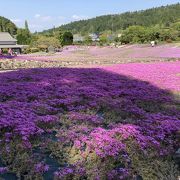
column 10, row 64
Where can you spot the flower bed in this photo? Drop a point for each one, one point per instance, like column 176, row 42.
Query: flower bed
column 96, row 123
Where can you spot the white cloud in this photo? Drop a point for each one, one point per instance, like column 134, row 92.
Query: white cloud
column 79, row 17
column 37, row 16
column 41, row 22
column 43, row 18
column 16, row 20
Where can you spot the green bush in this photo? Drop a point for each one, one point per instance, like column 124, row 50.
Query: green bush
column 31, row 50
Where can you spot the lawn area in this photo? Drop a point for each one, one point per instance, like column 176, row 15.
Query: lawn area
column 90, row 123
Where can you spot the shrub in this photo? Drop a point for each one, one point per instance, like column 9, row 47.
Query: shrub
column 31, row 50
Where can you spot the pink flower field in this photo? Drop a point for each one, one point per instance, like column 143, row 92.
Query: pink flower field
column 163, row 75
column 90, row 123
column 101, row 54
column 89, row 90
column 138, row 51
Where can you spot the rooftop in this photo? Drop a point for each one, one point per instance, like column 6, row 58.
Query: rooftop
column 5, row 36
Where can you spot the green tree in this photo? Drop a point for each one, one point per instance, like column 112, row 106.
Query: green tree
column 34, row 39
column 134, row 34
column 43, row 42
column 135, row 27
column 7, row 26
column 65, row 38
column 26, row 25
column 153, row 33
column 166, row 35
column 23, row 37
column 162, row 16
column 176, row 26
column 87, row 39
column 59, row 36
column 103, row 38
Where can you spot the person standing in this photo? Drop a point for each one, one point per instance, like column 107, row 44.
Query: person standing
column 152, row 43
column 10, row 52
column 0, row 51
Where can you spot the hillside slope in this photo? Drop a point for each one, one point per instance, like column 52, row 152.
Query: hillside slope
column 162, row 16
column 7, row 26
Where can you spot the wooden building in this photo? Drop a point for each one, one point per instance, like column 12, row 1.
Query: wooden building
column 8, row 42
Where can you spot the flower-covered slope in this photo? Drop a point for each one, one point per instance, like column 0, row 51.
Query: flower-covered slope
column 87, row 123
column 164, row 75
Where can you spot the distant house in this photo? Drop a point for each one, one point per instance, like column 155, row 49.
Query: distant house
column 78, row 38
column 94, row 37
column 7, row 41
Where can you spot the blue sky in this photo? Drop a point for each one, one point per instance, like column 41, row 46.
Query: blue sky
column 44, row 14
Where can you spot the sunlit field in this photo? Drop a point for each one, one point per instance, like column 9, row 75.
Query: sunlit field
column 81, row 56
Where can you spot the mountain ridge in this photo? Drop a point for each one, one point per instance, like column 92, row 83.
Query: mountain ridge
column 162, row 16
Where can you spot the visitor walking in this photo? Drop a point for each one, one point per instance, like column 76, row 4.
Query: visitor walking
column 152, row 43
column 0, row 51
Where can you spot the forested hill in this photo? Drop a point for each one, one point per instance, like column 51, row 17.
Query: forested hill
column 162, row 16
column 7, row 26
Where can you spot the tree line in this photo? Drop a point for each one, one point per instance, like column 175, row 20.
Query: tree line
column 36, row 41
column 162, row 16
column 41, row 42
column 7, row 26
